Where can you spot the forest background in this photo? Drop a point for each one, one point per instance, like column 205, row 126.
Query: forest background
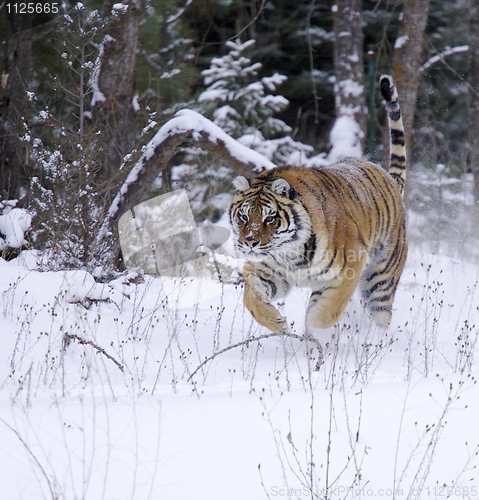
column 115, row 384
column 82, row 97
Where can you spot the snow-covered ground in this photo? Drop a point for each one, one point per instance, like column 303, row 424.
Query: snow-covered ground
column 96, row 401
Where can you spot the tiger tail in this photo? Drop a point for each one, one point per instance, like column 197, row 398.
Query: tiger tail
column 397, row 141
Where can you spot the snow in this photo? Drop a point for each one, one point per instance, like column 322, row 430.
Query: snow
column 439, row 57
column 350, row 87
column 135, row 104
column 345, row 139
column 239, row 47
column 151, row 124
column 80, row 286
column 13, row 225
column 274, row 102
column 271, row 82
column 401, row 42
column 188, row 120
column 221, row 201
column 179, row 13
column 29, row 259
column 98, row 95
column 316, row 34
column 119, row 8
column 390, row 409
column 252, row 69
column 215, row 92
column 170, row 74
column 353, row 58
column 224, row 113
column 346, row 134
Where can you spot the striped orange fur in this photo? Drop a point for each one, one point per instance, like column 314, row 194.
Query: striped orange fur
column 331, row 229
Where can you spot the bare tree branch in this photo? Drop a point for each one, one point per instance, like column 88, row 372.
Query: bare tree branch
column 68, row 337
column 179, row 12
column 262, row 337
column 440, row 56
column 50, row 486
column 186, row 129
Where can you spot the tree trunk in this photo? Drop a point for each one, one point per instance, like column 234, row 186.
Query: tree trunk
column 350, row 98
column 407, row 60
column 14, row 160
column 116, row 84
column 474, row 81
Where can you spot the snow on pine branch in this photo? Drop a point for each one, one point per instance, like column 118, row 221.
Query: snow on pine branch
column 187, row 128
column 439, row 57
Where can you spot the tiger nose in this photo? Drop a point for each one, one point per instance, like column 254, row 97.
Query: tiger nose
column 251, row 242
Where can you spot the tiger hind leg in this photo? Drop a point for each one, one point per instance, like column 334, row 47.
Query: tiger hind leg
column 328, row 303
column 378, row 286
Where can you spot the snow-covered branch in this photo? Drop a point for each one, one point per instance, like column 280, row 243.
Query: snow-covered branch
column 442, row 55
column 186, row 129
column 98, row 95
column 179, row 13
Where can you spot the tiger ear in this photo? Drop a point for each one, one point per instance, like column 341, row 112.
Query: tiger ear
column 241, row 183
column 282, row 187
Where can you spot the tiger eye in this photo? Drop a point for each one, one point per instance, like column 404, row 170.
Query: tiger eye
column 269, row 219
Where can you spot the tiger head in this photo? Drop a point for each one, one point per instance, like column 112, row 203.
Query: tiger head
column 267, row 219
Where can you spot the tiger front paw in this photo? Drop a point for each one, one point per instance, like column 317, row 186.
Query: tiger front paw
column 268, row 316
column 264, row 313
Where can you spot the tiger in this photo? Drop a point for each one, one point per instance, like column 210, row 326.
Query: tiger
column 330, row 228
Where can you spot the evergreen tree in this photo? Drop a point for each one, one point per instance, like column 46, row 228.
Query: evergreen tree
column 249, row 109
